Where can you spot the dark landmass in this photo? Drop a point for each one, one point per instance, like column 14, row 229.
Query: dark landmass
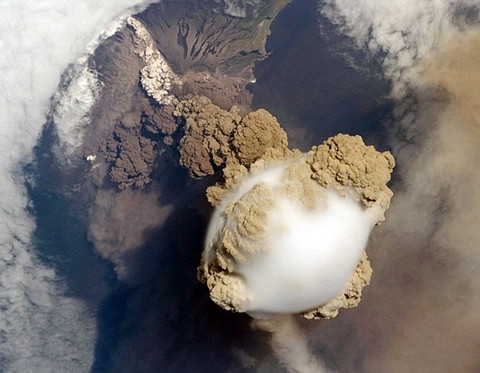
column 201, row 35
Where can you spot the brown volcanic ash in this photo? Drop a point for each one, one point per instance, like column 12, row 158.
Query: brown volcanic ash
column 245, row 148
column 215, row 138
column 133, row 125
column 304, row 181
column 133, row 156
column 119, row 225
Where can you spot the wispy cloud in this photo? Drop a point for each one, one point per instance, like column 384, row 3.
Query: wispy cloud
column 42, row 329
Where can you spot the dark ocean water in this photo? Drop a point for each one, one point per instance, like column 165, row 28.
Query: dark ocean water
column 169, row 324
column 316, row 84
column 165, row 324
column 61, row 232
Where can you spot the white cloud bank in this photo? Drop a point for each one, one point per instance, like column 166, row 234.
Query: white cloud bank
column 42, row 330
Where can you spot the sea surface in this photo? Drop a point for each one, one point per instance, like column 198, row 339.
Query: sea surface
column 316, row 83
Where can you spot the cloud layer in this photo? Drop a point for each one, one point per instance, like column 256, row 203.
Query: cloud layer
column 42, row 329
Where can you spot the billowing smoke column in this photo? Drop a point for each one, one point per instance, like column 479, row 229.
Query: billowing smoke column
column 289, row 235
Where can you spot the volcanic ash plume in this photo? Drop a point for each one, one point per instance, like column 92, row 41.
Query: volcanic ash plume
column 289, row 235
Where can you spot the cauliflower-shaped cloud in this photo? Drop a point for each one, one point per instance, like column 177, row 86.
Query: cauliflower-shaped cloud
column 289, row 232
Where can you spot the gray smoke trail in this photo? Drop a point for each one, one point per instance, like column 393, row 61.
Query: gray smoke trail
column 289, row 344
